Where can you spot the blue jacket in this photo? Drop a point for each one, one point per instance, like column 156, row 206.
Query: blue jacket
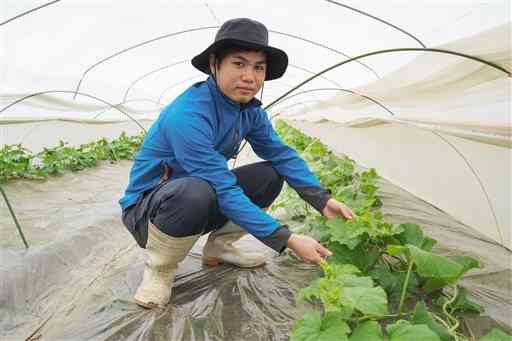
column 197, row 133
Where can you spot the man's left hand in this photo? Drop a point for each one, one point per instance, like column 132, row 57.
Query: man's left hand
column 334, row 208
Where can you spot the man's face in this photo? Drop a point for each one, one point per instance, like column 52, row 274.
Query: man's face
column 241, row 74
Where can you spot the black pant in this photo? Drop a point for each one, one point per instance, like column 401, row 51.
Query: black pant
column 188, row 206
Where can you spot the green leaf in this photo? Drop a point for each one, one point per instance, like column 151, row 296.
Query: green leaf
column 341, row 254
column 439, row 269
column 467, row 263
column 348, row 280
column 392, row 282
column 334, row 327
column 361, row 257
column 329, row 293
column 423, row 316
column 313, row 327
column 369, row 301
column 388, row 280
column 463, row 304
column 367, row 331
column 411, row 234
column 331, row 299
column 344, row 233
column 404, row 331
column 428, row 243
column 434, row 284
column 320, row 232
column 335, row 270
column 311, row 291
column 308, row 328
column 496, row 335
column 396, row 249
column 430, row 265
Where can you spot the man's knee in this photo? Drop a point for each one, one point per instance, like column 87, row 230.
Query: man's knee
column 260, row 182
column 186, row 209
column 275, row 178
column 197, row 193
column 266, row 171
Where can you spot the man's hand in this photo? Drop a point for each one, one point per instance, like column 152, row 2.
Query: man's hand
column 334, row 208
column 308, row 249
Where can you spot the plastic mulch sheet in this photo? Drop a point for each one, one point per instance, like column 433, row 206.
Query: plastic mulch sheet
column 77, row 280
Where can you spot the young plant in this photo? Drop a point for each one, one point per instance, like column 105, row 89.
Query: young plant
column 17, row 162
column 419, row 288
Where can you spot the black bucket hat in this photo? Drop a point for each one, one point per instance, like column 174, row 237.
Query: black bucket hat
column 244, row 33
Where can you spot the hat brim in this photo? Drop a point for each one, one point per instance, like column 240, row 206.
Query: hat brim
column 277, row 60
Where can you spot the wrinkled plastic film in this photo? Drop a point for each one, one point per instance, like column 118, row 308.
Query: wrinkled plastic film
column 78, row 280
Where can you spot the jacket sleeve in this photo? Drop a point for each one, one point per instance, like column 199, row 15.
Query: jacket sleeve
column 191, row 137
column 268, row 145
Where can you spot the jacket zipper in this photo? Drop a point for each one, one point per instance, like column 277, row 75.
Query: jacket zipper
column 236, row 145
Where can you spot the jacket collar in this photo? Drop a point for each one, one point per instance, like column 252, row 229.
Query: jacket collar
column 228, row 102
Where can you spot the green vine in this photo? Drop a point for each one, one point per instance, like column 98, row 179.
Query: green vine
column 404, row 288
column 383, row 280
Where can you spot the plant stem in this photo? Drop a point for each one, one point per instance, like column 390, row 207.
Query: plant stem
column 446, row 325
column 448, row 314
column 440, row 320
column 404, row 288
column 14, row 218
column 309, row 145
column 377, row 317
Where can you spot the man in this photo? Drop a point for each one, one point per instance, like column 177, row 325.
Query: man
column 180, row 184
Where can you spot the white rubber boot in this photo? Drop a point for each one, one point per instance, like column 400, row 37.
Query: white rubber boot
column 164, row 252
column 219, row 248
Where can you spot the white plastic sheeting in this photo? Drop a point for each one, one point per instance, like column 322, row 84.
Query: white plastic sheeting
column 73, row 45
column 52, row 48
column 446, row 134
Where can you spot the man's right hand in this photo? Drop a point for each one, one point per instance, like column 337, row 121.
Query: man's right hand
column 308, row 249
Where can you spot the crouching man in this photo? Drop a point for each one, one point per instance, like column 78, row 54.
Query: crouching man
column 180, row 185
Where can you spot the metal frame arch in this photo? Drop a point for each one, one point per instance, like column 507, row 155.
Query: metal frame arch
column 331, row 1
column 132, row 84
column 406, row 49
column 313, row 72
column 325, row 47
column 294, row 105
column 132, row 47
column 340, row 89
column 84, row 74
column 378, row 19
column 190, row 78
column 176, row 84
column 28, row 12
column 160, row 105
column 480, row 183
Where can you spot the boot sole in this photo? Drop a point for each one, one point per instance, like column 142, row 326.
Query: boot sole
column 216, row 262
